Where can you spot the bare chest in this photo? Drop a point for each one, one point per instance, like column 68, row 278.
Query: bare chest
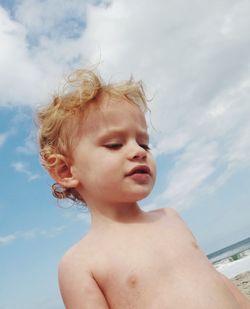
column 144, row 264
column 151, row 268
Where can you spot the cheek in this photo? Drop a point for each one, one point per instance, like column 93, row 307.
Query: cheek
column 100, row 168
column 155, row 169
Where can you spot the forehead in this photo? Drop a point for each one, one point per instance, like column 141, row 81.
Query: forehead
column 113, row 114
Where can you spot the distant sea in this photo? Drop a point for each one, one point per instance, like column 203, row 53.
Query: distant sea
column 230, row 253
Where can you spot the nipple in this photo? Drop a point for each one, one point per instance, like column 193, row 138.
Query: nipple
column 132, row 281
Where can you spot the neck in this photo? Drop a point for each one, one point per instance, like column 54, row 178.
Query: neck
column 103, row 215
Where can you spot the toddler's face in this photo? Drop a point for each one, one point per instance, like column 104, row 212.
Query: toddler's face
column 111, row 159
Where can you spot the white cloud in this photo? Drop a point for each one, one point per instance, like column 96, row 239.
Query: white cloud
column 149, row 206
column 21, row 167
column 191, row 169
column 52, row 232
column 5, row 240
column 17, row 73
column 239, row 149
column 29, row 74
column 30, row 144
column 76, row 213
column 196, row 67
column 65, row 21
column 5, row 135
column 32, row 234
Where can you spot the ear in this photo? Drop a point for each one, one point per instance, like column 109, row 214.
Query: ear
column 60, row 171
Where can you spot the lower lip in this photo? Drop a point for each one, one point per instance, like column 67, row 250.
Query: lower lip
column 142, row 178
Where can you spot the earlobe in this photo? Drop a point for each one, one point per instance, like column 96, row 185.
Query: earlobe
column 60, row 171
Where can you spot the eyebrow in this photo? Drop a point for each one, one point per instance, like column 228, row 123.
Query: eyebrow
column 114, row 132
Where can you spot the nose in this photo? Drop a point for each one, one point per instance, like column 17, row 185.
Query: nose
column 138, row 153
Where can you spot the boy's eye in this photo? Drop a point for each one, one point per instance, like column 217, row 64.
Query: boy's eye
column 145, row 146
column 113, row 146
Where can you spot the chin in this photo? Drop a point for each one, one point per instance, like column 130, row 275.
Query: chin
column 138, row 196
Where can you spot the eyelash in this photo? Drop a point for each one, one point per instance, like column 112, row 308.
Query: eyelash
column 145, row 146
column 113, row 146
column 118, row 146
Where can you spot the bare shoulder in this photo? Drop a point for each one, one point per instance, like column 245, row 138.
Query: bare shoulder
column 78, row 286
column 172, row 218
column 171, row 213
column 174, row 215
column 75, row 257
column 180, row 224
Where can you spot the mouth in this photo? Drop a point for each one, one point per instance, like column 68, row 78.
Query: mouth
column 141, row 169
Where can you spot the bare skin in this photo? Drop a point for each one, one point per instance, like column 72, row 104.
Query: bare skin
column 152, row 261
column 131, row 259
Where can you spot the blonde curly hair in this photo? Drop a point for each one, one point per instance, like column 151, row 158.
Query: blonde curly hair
column 55, row 119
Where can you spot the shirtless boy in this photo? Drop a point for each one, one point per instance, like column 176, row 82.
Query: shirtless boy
column 94, row 144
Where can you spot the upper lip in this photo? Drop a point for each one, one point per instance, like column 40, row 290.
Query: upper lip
column 143, row 169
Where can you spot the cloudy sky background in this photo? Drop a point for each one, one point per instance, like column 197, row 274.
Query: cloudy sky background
column 194, row 59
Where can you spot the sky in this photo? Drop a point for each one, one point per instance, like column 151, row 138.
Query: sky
column 194, row 59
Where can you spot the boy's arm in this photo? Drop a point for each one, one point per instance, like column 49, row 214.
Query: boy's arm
column 243, row 301
column 79, row 289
